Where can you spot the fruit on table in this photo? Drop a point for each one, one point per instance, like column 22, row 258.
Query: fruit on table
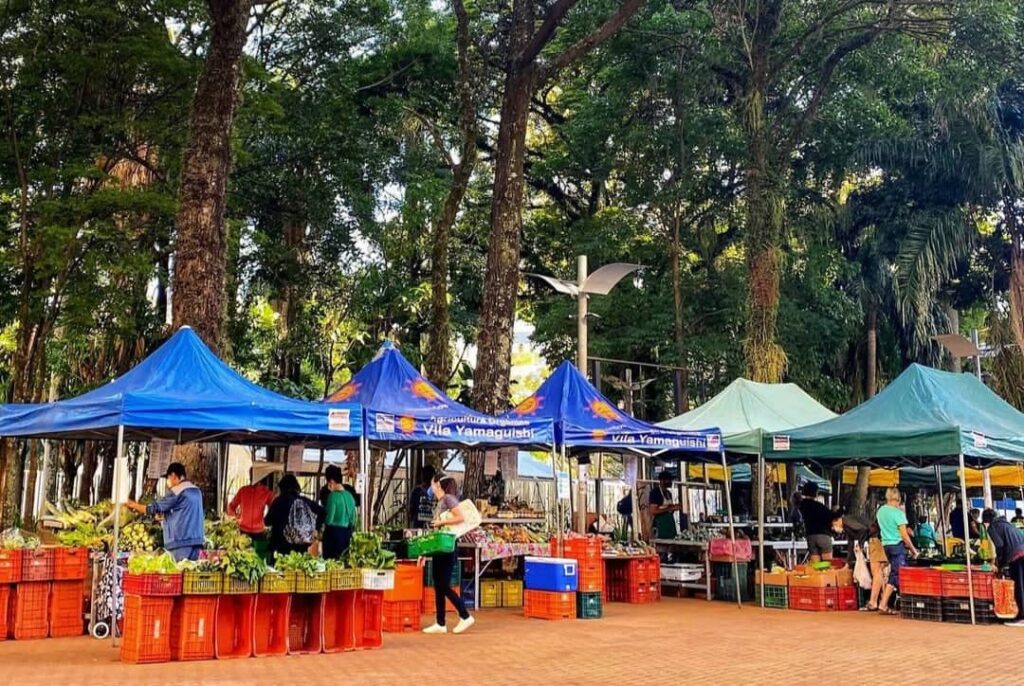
column 137, row 537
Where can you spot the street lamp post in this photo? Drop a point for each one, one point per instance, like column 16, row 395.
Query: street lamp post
column 601, row 282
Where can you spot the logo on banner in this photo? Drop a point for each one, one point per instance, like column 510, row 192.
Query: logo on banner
column 780, row 443
column 603, row 410
column 529, row 406
column 979, row 440
column 346, row 392
column 338, row 420
column 385, row 423
column 599, row 434
column 422, row 389
column 714, row 442
column 407, row 425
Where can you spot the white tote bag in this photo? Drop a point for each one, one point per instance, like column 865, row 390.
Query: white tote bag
column 861, row 571
column 470, row 519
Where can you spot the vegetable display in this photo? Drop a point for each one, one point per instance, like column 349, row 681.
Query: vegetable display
column 143, row 563
column 225, row 535
column 138, row 537
column 16, row 539
column 365, row 551
column 300, row 562
column 243, row 564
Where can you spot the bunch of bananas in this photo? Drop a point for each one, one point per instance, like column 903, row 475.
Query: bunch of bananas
column 136, row 538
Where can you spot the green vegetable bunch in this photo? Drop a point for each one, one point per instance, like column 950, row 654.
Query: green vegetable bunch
column 225, row 535
column 365, row 551
column 243, row 564
column 300, row 562
column 148, row 563
column 16, row 539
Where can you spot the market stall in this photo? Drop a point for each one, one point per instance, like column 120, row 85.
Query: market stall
column 181, row 393
column 586, row 422
column 924, row 418
column 404, row 410
column 744, row 412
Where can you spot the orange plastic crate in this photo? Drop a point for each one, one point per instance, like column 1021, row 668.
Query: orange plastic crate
column 920, row 581
column 813, row 599
column 846, row 598
column 369, row 619
column 579, row 549
column 408, row 584
column 270, row 624
column 147, row 629
column 192, row 628
column 305, row 624
column 152, row 584
column 401, row 616
column 233, row 633
column 37, row 564
column 5, row 601
column 339, row 621
column 590, row 576
column 10, row 566
column 67, row 608
column 70, row 563
column 29, row 610
column 549, row 605
column 954, row 584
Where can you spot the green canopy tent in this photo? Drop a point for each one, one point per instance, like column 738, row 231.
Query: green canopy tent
column 925, row 417
column 744, row 412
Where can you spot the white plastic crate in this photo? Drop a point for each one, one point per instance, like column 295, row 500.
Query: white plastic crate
column 681, row 572
column 378, row 579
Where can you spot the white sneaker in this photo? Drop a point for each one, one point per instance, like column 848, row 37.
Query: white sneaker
column 463, row 625
column 1019, row 622
column 436, row 629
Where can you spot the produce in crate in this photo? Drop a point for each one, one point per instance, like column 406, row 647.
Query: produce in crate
column 366, row 551
column 16, row 539
column 300, row 562
column 138, row 537
column 243, row 564
column 145, row 563
column 225, row 535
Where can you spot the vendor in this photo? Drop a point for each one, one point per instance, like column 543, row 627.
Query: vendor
column 817, row 524
column 662, row 508
column 956, row 523
column 421, row 500
column 182, row 512
column 1009, row 544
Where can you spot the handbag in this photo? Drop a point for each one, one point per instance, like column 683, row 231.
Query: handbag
column 471, row 519
column 1003, row 600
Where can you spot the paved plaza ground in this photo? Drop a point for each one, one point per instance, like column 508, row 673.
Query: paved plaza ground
column 676, row 641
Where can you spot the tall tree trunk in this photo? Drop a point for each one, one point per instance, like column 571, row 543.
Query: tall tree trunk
column 439, row 359
column 200, row 262
column 766, row 361
column 1015, row 231
column 953, row 315
column 682, row 401
column 859, row 498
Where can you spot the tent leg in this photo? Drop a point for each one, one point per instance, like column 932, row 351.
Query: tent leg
column 363, row 496
column 760, row 519
column 118, row 502
column 732, row 529
column 942, row 509
column 967, row 535
column 558, row 502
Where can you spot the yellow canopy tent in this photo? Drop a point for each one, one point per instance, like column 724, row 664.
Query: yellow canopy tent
column 1007, row 476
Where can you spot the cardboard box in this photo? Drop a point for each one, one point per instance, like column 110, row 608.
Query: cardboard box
column 814, row 579
column 771, row 578
column 844, row 577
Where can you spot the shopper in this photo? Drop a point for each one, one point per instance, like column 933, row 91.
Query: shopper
column 421, row 501
column 445, row 490
column 339, row 516
column 662, row 508
column 1018, row 518
column 249, row 507
column 892, row 526
column 182, row 513
column 293, row 519
column 863, row 534
column 1009, row 544
column 817, row 524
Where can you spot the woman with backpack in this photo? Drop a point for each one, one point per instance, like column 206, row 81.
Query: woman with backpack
column 293, row 519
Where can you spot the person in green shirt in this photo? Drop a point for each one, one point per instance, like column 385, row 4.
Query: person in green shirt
column 340, row 516
column 892, row 526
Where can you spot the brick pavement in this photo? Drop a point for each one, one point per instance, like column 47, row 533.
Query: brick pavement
column 672, row 642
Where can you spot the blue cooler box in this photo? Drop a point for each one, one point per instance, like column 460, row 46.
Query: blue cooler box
column 550, row 574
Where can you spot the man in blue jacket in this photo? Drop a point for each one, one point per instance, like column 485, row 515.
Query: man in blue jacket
column 1009, row 544
column 182, row 512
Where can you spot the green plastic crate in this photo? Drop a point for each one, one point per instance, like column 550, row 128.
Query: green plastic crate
column 428, row 575
column 774, row 596
column 431, row 544
column 588, row 606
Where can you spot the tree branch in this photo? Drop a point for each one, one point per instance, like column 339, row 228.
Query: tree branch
column 591, row 40
column 552, row 20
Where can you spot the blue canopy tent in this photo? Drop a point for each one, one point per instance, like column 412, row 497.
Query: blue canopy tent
column 585, row 421
column 183, row 392
column 403, row 409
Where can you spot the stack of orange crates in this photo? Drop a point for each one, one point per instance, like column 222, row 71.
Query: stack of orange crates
column 28, row 616
column 549, row 604
column 67, row 609
column 147, row 629
column 401, row 611
column 633, row 580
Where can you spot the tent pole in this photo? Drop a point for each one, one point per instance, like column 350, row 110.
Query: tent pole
column 760, row 519
column 967, row 534
column 707, row 493
column 363, row 499
column 118, row 502
column 732, row 528
column 942, row 510
column 558, row 503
